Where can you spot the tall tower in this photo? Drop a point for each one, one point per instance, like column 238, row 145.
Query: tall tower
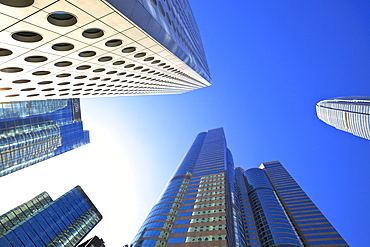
column 350, row 114
column 44, row 222
column 209, row 203
column 33, row 131
column 94, row 48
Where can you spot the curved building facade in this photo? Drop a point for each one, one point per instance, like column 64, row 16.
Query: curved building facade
column 350, row 114
column 64, row 49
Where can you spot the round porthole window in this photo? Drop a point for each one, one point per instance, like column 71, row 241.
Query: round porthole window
column 129, row 49
column 113, row 42
column 87, row 54
column 27, row 36
column 5, row 52
column 17, row 3
column 93, row 33
column 141, row 54
column 36, row 59
column 63, row 47
column 62, row 19
column 11, row 70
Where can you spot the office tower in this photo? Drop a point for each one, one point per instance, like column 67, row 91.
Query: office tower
column 208, row 202
column 93, row 242
column 77, row 48
column 350, row 114
column 44, row 222
column 33, row 131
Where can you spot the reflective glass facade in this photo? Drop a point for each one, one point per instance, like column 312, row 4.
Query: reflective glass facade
column 350, row 114
column 33, row 131
column 208, row 202
column 44, row 222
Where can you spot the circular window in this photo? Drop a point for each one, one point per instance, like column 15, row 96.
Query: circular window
column 11, row 70
column 138, row 67
column 161, row 64
column 62, row 19
column 63, row 83
column 141, row 54
column 77, row 89
column 122, row 73
column 93, row 33
column 87, row 54
column 45, row 82
column 130, row 65
column 129, row 49
column 156, row 61
column 36, row 59
column 41, row 73
column 90, row 85
column 113, row 42
column 63, row 75
column 145, row 70
column 119, row 62
column 78, row 84
column 12, row 95
column 5, row 88
column 99, row 70
column 63, row 64
column 52, row 94
column 106, row 79
column 129, row 75
column 33, row 95
column 63, row 47
column 111, row 72
column 75, row 93
column 83, row 67
column 21, row 81
column 64, row 89
column 26, row 36
column 80, row 77
column 105, row 59
column 86, row 93
column 5, row 52
column 115, row 80
column 28, row 89
column 165, row 67
column 63, row 94
column 48, row 89
column 148, row 59
column 17, row 3
column 94, row 78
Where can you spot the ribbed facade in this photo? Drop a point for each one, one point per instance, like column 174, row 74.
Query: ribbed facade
column 208, row 202
column 76, row 48
column 44, row 222
column 33, row 131
column 350, row 114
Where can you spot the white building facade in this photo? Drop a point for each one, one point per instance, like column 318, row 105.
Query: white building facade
column 78, row 48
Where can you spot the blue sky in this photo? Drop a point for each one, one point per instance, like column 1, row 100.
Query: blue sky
column 271, row 62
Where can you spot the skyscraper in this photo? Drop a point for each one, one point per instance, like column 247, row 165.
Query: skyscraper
column 208, row 202
column 33, row 131
column 77, row 48
column 44, row 222
column 350, row 114
column 93, row 242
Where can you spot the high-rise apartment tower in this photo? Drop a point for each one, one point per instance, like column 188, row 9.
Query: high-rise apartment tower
column 208, row 202
column 44, row 222
column 350, row 114
column 33, row 131
column 78, row 48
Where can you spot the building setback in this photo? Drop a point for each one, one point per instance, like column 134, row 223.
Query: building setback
column 208, row 202
column 33, row 131
column 77, row 48
column 350, row 114
column 44, row 222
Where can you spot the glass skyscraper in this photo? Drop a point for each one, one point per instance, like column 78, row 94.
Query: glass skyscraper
column 350, row 114
column 33, row 131
column 99, row 48
column 208, row 202
column 44, row 222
